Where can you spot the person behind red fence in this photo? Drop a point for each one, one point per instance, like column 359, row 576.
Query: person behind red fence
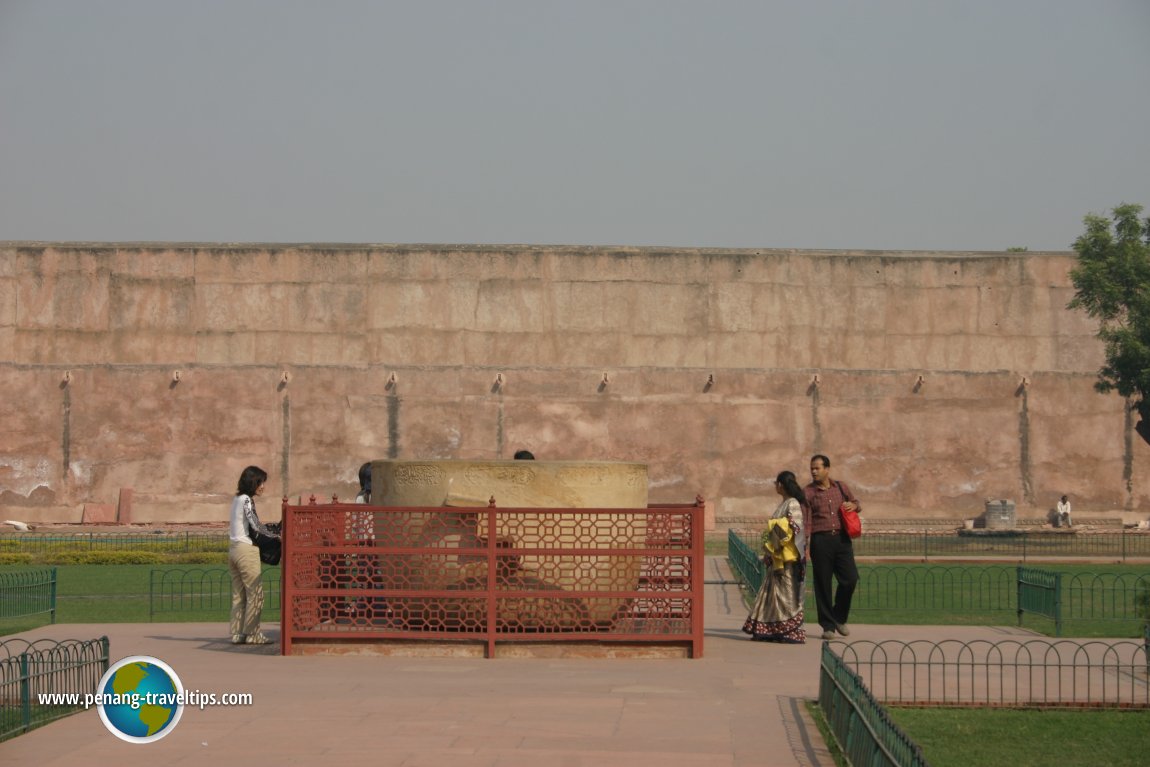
column 777, row 612
column 364, row 484
column 244, row 559
column 831, row 552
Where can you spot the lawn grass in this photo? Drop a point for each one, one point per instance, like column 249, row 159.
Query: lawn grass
column 116, row 594
column 905, row 596
column 1074, row 602
column 714, row 546
column 103, row 593
column 824, row 727
column 1027, row 737
column 17, row 625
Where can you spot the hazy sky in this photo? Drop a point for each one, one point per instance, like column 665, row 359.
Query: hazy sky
column 972, row 124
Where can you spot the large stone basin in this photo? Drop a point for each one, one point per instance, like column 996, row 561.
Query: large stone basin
column 529, row 484
column 517, row 484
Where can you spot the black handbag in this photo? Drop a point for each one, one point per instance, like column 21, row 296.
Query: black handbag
column 270, row 546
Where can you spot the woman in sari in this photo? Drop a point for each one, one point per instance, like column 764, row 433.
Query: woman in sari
column 777, row 613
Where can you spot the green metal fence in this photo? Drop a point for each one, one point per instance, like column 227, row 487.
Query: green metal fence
column 46, row 666
column 160, row 542
column 203, row 592
column 951, row 588
column 1003, row 672
column 1022, row 545
column 858, row 721
column 1122, row 599
column 1106, row 596
column 26, row 593
column 1113, row 604
column 746, row 564
column 1040, row 592
column 858, row 678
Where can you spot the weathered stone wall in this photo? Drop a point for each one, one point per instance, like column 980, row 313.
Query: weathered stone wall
column 118, row 320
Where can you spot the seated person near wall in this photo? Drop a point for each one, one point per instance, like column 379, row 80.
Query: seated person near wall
column 1063, row 510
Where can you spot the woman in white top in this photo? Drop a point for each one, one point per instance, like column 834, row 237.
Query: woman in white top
column 244, row 560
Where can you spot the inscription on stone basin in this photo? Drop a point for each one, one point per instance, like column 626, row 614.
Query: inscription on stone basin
column 417, row 475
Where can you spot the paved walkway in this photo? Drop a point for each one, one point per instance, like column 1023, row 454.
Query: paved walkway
column 742, row 704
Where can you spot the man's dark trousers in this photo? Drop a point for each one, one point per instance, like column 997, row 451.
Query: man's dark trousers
column 833, row 554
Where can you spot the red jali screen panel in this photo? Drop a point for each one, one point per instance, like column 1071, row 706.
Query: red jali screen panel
column 493, row 575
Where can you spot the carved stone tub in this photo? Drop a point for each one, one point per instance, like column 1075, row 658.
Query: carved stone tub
column 518, row 484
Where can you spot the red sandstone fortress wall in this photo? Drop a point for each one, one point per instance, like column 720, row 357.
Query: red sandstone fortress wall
column 118, row 320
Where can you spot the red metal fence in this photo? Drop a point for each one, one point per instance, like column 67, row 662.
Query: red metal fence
column 355, row 573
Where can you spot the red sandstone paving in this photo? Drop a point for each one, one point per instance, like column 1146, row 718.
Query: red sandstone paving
column 502, row 712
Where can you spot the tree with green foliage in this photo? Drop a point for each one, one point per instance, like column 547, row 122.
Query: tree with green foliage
column 1112, row 284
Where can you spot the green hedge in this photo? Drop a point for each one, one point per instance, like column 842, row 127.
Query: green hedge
column 15, row 559
column 98, row 557
column 107, row 558
column 48, row 545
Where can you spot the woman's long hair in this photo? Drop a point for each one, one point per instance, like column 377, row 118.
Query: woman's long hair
column 365, row 482
column 791, row 487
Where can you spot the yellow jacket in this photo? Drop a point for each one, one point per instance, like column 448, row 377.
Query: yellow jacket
column 779, row 542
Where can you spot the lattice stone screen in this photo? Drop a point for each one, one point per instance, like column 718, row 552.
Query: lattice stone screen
column 370, row 573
